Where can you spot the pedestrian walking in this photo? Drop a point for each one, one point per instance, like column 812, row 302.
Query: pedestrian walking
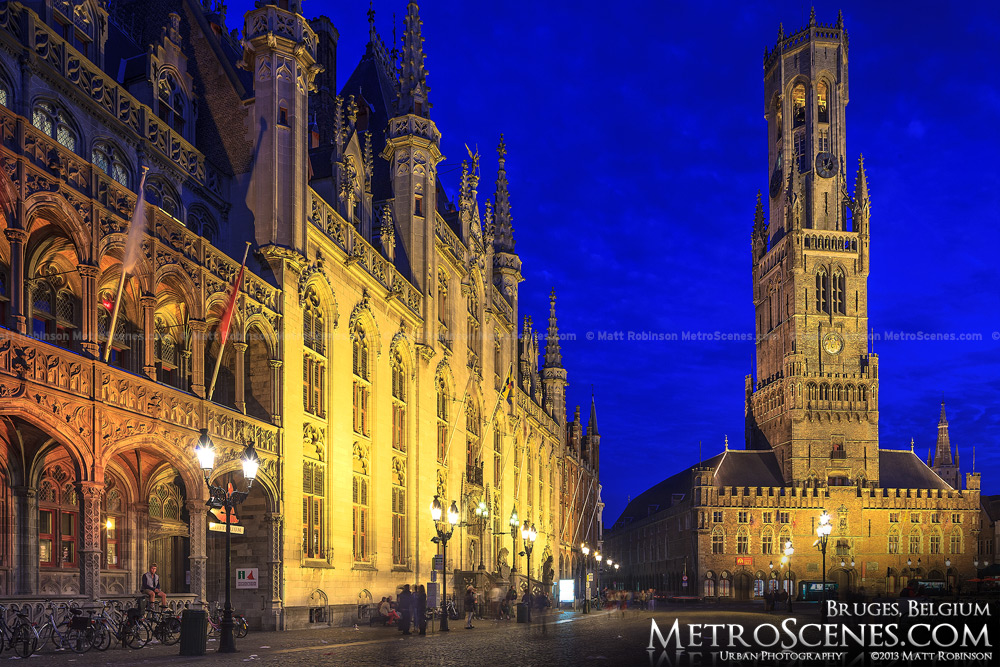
column 541, row 611
column 421, row 608
column 509, row 602
column 405, row 604
column 470, row 603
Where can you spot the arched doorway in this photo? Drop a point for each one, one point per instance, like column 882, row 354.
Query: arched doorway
column 843, row 579
column 168, row 533
column 743, row 586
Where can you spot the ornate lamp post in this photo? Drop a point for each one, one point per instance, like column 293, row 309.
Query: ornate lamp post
column 787, row 558
column 444, row 533
column 228, row 499
column 483, row 512
column 585, row 550
column 598, row 557
column 514, row 523
column 528, row 536
column 823, row 530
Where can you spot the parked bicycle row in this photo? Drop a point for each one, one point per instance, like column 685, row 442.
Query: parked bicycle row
column 66, row 628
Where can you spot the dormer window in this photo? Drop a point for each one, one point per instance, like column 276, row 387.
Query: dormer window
column 171, row 103
column 75, row 24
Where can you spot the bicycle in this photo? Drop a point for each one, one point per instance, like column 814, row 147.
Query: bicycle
column 128, row 629
column 166, row 628
column 73, row 632
column 240, row 627
column 20, row 637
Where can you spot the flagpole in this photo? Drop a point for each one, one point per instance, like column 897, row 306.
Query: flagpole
column 218, row 358
column 140, row 201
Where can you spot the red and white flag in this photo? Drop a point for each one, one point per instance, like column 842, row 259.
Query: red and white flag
column 227, row 320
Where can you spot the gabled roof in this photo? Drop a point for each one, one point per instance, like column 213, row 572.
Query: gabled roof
column 903, row 469
column 660, row 496
column 748, row 467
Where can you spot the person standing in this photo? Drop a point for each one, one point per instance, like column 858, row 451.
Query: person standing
column 470, row 603
column 405, row 604
column 421, row 609
column 151, row 586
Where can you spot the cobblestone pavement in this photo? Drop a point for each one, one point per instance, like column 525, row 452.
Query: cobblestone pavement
column 567, row 638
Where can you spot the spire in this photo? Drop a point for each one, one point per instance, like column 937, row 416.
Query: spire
column 861, row 184
column 727, row 442
column 504, row 241
column 812, row 16
column 413, row 87
column 759, row 227
column 942, row 454
column 553, row 354
column 840, row 18
column 592, row 424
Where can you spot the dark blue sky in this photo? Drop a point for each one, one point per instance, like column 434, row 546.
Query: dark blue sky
column 636, row 145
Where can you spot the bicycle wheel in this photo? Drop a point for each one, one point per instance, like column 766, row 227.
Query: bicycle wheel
column 240, row 628
column 171, row 630
column 78, row 640
column 137, row 635
column 24, row 640
column 102, row 636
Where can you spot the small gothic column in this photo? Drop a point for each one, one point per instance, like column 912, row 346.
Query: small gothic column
column 17, row 238
column 198, row 329
column 198, row 550
column 27, row 540
column 241, row 366
column 274, row 525
column 141, row 540
column 148, row 304
column 88, row 310
column 275, row 365
column 90, row 539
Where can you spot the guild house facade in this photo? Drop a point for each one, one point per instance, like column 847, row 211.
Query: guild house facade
column 720, row 528
column 373, row 337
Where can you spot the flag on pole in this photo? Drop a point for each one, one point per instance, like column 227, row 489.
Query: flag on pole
column 133, row 248
column 227, row 320
column 507, row 392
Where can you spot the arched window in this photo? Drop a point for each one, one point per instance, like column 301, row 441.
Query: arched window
column 955, row 542
column 822, row 291
column 160, row 193
column 893, row 541
column 171, row 102
column 709, row 588
column 6, row 96
column 822, row 104
column 725, row 586
column 474, row 468
column 360, row 500
column 839, row 300
column 112, row 162
column 767, row 542
column 56, row 123
column 824, row 392
column 442, row 418
column 362, row 382
column 915, row 541
column 718, row 541
column 58, row 514
column 935, row 542
column 399, row 542
column 167, row 355
column 114, row 525
column 398, row 371
column 798, row 105
column 257, row 371
column 742, row 541
column 201, row 222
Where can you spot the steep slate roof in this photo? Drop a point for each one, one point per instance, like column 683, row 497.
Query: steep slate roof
column 903, row 469
column 660, row 496
column 748, row 467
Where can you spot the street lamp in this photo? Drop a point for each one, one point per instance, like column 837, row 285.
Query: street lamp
column 823, row 530
column 585, row 550
column 226, row 498
column 483, row 512
column 528, row 536
column 514, row 523
column 598, row 557
column 787, row 558
column 444, row 533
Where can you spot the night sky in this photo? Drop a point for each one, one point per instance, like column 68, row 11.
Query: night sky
column 636, row 146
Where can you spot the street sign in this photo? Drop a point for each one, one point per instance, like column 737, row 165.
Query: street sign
column 246, row 577
column 684, row 584
column 438, row 563
column 684, row 578
column 590, row 576
column 221, row 528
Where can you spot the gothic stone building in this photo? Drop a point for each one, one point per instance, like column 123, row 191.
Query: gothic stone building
column 373, row 333
column 812, row 414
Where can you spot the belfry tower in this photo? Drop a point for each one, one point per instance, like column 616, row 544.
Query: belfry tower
column 814, row 397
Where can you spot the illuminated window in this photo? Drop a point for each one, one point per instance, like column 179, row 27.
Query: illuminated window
column 955, row 543
column 313, row 498
column 718, row 542
column 56, row 123
column 767, row 543
column 398, row 371
column 114, row 524
column 798, row 105
column 58, row 512
column 362, row 384
column 112, row 162
column 399, row 513
column 360, row 523
column 822, row 106
column 914, row 542
column 742, row 543
column 893, row 542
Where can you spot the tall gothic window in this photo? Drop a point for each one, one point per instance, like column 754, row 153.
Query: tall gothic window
column 799, row 105
column 766, row 542
column 497, row 456
column 56, row 123
column 472, row 456
column 839, row 284
column 313, row 501
column 398, row 371
column 171, row 102
column 442, row 419
column 955, row 542
column 58, row 515
column 398, row 512
column 313, row 328
column 718, row 541
column 112, row 162
column 822, row 291
column 113, row 525
column 801, row 156
column 161, row 194
column 822, row 104
column 742, row 542
column 362, row 382
column 167, row 354
column 360, row 501
column 915, row 541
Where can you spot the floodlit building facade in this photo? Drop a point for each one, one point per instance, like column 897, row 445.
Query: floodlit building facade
column 374, row 333
column 721, row 528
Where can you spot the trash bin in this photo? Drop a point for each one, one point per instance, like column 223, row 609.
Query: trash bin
column 586, row 606
column 522, row 612
column 194, row 631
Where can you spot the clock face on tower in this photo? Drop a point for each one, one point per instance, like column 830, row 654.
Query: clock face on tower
column 826, row 165
column 833, row 343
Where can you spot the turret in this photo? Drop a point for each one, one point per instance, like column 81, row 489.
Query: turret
column 279, row 50
column 321, row 100
column 759, row 235
column 944, row 465
column 506, row 263
column 592, row 440
column 553, row 374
